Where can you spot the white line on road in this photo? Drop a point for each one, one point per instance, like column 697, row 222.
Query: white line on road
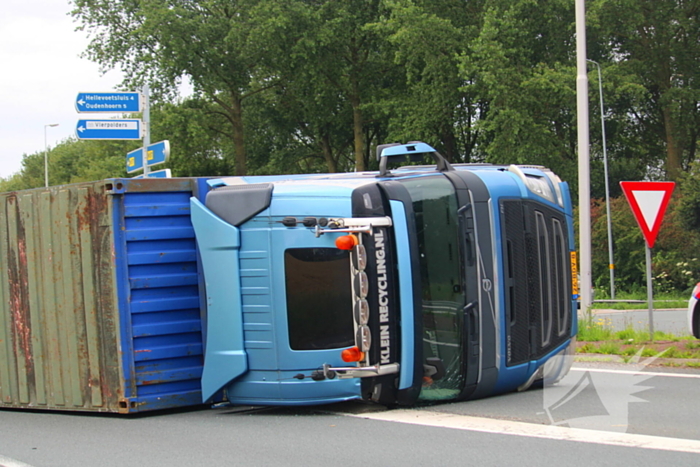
column 632, row 372
column 505, row 427
column 7, row 462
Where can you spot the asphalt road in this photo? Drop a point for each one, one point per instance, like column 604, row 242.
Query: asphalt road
column 672, row 321
column 630, row 417
column 635, row 399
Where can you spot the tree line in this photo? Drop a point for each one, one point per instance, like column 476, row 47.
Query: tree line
column 284, row 86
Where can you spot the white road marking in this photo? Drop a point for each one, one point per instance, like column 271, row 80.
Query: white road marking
column 505, row 427
column 632, row 372
column 7, row 462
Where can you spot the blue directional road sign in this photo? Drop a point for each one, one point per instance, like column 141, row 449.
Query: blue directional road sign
column 156, row 153
column 165, row 173
column 109, row 129
column 134, row 160
column 108, row 102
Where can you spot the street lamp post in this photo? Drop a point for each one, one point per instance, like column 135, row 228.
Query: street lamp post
column 46, row 155
column 584, row 173
column 611, row 263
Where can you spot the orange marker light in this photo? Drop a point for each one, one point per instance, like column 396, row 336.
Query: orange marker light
column 353, row 354
column 346, row 242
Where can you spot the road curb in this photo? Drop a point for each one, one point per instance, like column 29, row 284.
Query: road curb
column 604, row 358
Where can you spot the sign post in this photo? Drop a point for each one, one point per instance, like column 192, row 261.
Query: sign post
column 146, row 123
column 124, row 129
column 648, row 201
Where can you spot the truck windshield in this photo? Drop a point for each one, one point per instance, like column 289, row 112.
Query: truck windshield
column 443, row 300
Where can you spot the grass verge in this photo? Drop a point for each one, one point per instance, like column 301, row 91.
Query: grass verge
column 596, row 336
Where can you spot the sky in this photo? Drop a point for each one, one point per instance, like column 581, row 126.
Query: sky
column 41, row 73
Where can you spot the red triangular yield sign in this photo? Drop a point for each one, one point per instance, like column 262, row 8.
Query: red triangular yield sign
column 648, row 201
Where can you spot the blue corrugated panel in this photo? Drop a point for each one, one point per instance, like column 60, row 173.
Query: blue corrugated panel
column 164, row 331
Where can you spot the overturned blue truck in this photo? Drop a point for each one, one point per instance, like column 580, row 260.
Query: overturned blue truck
column 413, row 283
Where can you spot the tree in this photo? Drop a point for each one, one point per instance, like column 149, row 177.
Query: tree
column 628, row 246
column 199, row 142
column 438, row 105
column 72, row 161
column 306, row 122
column 293, row 133
column 658, row 41
column 212, row 43
column 523, row 61
column 348, row 61
column 689, row 205
column 630, row 151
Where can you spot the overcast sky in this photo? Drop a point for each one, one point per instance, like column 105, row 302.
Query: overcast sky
column 41, row 73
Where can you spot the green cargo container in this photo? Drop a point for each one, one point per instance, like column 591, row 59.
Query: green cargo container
column 100, row 304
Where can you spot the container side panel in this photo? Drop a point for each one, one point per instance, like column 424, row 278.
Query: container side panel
column 58, row 332
column 49, row 301
column 8, row 370
column 34, row 289
column 18, row 306
column 90, row 309
column 163, row 282
column 71, row 325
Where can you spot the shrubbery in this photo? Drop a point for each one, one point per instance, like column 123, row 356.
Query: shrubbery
column 675, row 256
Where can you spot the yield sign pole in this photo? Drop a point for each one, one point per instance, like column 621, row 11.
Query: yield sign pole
column 648, row 201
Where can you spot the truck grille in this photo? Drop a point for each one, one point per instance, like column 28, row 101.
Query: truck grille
column 536, row 279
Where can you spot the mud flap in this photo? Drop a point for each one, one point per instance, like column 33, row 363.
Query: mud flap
column 225, row 358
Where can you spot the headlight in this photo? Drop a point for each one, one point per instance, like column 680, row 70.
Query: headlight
column 556, row 181
column 361, row 312
column 363, row 338
column 359, row 257
column 537, row 184
column 361, row 285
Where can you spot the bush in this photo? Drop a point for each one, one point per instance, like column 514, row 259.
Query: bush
column 675, row 266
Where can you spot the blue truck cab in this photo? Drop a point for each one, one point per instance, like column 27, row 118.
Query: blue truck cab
column 416, row 283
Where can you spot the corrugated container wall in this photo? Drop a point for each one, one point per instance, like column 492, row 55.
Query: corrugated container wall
column 100, row 297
